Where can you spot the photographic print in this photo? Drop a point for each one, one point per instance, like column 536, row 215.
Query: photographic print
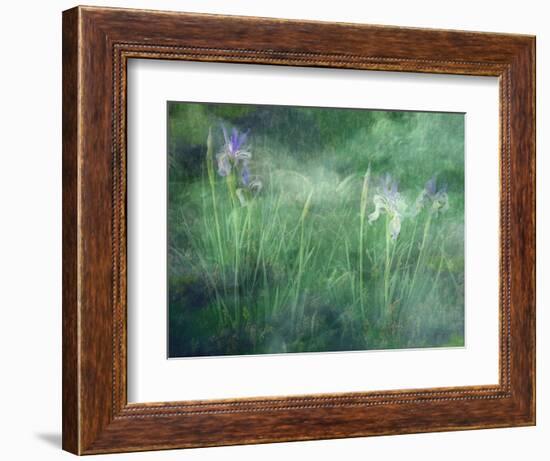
column 313, row 229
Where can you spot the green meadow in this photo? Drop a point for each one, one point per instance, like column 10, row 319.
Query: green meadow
column 295, row 229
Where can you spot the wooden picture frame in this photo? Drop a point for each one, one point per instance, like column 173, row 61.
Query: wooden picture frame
column 97, row 43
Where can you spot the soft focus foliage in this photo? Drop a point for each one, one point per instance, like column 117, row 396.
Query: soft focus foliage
column 306, row 229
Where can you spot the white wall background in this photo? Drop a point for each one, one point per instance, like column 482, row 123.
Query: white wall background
column 30, row 228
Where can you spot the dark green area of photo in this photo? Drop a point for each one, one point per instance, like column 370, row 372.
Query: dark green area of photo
column 329, row 230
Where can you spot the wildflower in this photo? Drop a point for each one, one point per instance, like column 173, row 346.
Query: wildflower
column 253, row 183
column 234, row 162
column 434, row 199
column 233, row 152
column 388, row 200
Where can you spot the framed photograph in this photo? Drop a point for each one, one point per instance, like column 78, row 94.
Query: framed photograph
column 282, row 230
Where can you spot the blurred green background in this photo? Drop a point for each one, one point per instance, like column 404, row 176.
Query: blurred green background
column 296, row 266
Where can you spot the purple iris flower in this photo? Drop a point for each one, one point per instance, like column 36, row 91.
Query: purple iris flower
column 431, row 188
column 434, row 199
column 233, row 151
column 388, row 187
column 235, row 142
column 388, row 200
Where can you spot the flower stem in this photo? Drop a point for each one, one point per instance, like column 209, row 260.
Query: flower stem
column 212, row 181
column 362, row 215
column 420, row 253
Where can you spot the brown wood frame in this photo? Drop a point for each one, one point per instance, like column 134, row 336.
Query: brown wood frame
column 97, row 43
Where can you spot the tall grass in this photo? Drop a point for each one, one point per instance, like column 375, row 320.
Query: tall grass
column 302, row 264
